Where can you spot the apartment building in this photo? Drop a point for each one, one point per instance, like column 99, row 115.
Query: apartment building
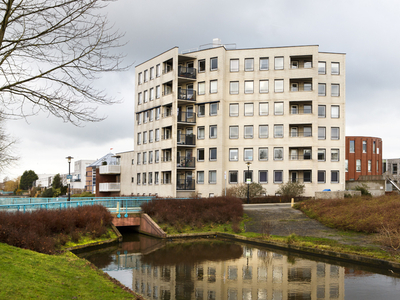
column 209, row 119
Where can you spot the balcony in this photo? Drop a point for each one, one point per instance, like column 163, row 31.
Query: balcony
column 187, row 94
column 305, row 156
column 301, row 62
column 186, row 163
column 187, row 117
column 110, row 187
column 301, row 85
column 186, row 140
column 187, row 73
column 110, row 169
column 301, row 133
column 185, row 185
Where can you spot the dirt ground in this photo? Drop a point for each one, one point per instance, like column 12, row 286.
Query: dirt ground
column 284, row 220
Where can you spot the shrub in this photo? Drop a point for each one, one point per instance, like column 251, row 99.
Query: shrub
column 240, row 190
column 291, row 189
column 363, row 189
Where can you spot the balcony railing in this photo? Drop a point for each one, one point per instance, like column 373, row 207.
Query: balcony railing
column 185, row 162
column 110, row 169
column 300, row 111
column 185, row 184
column 166, row 158
column 187, row 117
column 300, row 133
column 187, row 95
column 186, row 139
column 306, row 156
column 110, row 187
column 186, row 72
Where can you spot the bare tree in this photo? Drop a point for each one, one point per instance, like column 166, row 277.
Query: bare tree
column 50, row 54
column 7, row 158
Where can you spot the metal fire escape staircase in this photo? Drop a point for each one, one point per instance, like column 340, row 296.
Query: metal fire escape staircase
column 392, row 182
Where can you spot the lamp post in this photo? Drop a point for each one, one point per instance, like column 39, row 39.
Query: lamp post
column 248, row 181
column 69, row 176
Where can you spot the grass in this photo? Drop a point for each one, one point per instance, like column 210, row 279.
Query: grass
column 88, row 239
column 26, row 274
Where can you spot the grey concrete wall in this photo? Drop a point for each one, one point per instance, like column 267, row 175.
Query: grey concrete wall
column 375, row 187
column 335, row 194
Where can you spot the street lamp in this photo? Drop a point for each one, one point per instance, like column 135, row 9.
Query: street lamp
column 248, row 181
column 69, row 176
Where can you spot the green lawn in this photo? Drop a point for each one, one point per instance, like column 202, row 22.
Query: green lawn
column 26, row 274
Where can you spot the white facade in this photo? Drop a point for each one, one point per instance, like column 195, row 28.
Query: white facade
column 79, row 174
column 202, row 116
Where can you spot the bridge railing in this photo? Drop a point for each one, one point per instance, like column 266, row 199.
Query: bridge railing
column 117, row 204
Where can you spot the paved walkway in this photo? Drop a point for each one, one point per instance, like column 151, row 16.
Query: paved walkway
column 283, row 220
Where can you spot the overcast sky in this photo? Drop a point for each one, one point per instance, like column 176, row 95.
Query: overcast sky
column 367, row 31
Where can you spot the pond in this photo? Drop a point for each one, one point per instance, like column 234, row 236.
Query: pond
column 214, row 269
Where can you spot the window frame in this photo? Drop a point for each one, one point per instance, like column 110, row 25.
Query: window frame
column 276, row 128
column 276, row 172
column 322, row 68
column 260, row 110
column 201, row 132
column 265, row 126
column 213, row 131
column 335, row 109
column 249, row 86
column 261, row 64
column 322, row 89
column 201, row 68
column 333, row 135
column 234, row 87
column 278, row 153
column 213, row 63
column 247, row 151
column 320, row 136
column 211, row 152
column 232, row 152
column 337, row 176
column 263, row 90
column 231, row 105
column 259, row 176
column 212, row 112
column 232, row 66
column 246, row 108
column 232, row 136
column 260, row 149
column 214, row 86
column 278, row 88
column 277, row 63
column 249, row 68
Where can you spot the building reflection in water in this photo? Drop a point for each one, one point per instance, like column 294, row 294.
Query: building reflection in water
column 253, row 274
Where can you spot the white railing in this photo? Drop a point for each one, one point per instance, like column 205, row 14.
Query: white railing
column 110, row 187
column 110, row 169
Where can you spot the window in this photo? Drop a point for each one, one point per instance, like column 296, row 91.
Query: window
column 202, row 65
column 263, row 176
column 140, row 98
column 377, row 166
column 321, row 133
column 145, row 75
column 233, row 176
column 249, row 64
column 138, row 178
column 213, row 154
column 335, row 90
column 139, row 138
column 213, row 131
column 334, row 154
column 248, row 154
column 201, row 88
column 157, row 138
column 234, row 65
column 321, row 89
column 202, row 110
column 214, row 63
column 346, row 165
column 358, row 165
column 234, row 87
column 335, row 111
column 307, row 108
column 144, row 157
column 158, row 112
column 248, row 131
column 151, row 136
column 321, row 176
column 264, row 86
column 321, row 154
column 200, row 177
column 200, row 133
column 233, row 132
column 249, row 87
column 200, row 154
column 139, row 158
column 156, row 156
column 307, row 86
column 233, row 154
column 248, row 174
column 158, row 70
column 278, row 131
column 278, row 85
column 334, row 133
column 279, row 63
column 263, row 153
column 146, row 96
column 263, row 131
column 373, row 147
column 212, row 177
column 352, row 147
column 307, row 131
column 158, row 92
column 140, row 78
column 213, row 109
column 213, row 86
column 364, row 146
column 278, row 153
column 278, row 108
column 264, row 63
column 151, row 114
column 307, row 176
column 334, row 176
column 139, row 118
column 145, row 137
column 321, row 67
column 233, row 110
column 151, row 73
column 394, row 169
column 321, row 111
column 294, row 87
column 145, row 116
column 248, row 109
column 369, row 165
column 278, row 176
column 335, row 68
column 264, row 109
column 150, row 176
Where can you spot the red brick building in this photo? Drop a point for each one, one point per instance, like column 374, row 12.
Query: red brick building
column 363, row 156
